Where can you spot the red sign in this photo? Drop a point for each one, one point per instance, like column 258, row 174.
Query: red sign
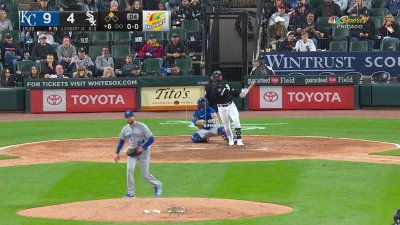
column 83, row 100
column 301, row 97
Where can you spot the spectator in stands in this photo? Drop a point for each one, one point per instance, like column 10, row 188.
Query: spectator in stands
column 343, row 5
column 176, row 71
column 366, row 33
column 108, row 72
column 329, row 9
column 48, row 67
column 103, row 61
column 150, row 4
column 81, row 72
column 291, row 6
column 289, row 44
column 50, row 40
column 281, row 13
column 44, row 6
column 367, row 4
column 5, row 23
column 81, row 60
column 3, row 5
column 311, row 27
column 7, row 79
column 11, row 52
column 136, row 6
column 161, row 6
column 175, row 50
column 390, row 30
column 358, row 9
column 276, row 33
column 114, row 6
column 151, row 49
column 42, row 49
column 59, row 73
column 128, row 66
column 187, row 12
column 262, row 69
column 197, row 6
column 300, row 17
column 70, row 5
column 135, row 72
column 34, row 73
column 393, row 6
column 90, row 5
column 65, row 52
column 305, row 44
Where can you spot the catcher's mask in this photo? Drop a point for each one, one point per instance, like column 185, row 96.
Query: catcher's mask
column 201, row 103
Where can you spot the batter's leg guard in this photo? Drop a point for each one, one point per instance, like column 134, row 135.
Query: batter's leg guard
column 222, row 131
column 238, row 133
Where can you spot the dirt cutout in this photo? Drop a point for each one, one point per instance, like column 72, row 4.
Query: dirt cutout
column 182, row 150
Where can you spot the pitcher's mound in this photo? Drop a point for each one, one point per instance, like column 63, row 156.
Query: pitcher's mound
column 156, row 210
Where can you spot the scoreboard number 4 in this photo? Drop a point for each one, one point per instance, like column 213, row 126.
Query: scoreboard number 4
column 71, row 18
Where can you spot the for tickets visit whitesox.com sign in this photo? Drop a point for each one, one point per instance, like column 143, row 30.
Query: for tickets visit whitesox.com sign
column 83, row 100
column 301, row 97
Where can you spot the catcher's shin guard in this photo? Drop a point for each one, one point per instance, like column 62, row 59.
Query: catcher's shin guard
column 197, row 139
column 222, row 131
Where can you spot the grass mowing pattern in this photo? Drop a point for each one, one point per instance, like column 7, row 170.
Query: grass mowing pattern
column 322, row 192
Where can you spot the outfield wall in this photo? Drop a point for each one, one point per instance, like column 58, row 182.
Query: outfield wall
column 177, row 93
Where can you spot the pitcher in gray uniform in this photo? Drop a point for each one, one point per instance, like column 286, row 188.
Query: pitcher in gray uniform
column 140, row 137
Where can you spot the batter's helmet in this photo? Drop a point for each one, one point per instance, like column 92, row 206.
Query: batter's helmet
column 201, row 103
column 129, row 113
column 216, row 73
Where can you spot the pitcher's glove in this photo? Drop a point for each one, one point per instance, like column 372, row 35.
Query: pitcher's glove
column 133, row 151
column 200, row 124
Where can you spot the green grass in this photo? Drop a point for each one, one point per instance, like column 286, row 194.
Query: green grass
column 322, row 192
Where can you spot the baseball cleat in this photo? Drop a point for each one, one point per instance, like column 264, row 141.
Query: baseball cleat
column 231, row 142
column 129, row 196
column 239, row 142
column 158, row 190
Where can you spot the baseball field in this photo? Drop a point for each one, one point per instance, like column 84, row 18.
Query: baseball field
column 328, row 168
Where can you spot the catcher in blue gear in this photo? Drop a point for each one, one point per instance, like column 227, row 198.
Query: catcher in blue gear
column 206, row 119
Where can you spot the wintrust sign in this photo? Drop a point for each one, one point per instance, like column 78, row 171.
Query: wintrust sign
column 83, row 100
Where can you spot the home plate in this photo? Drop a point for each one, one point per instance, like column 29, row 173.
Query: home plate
column 197, row 148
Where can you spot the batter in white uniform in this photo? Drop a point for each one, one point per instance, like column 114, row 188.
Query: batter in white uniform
column 140, row 137
column 227, row 109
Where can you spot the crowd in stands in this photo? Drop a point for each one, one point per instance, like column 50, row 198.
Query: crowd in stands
column 26, row 54
column 308, row 19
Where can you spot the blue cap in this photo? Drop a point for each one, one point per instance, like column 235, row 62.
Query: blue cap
column 129, row 113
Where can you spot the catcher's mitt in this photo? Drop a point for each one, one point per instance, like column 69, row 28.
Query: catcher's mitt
column 200, row 123
column 133, row 151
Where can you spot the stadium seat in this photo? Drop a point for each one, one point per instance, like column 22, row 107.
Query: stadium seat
column 338, row 46
column 389, row 45
column 25, row 65
column 99, row 38
column 191, row 26
column 379, row 4
column 340, row 33
column 185, row 64
column 121, row 37
column 120, row 51
column 152, row 66
column 358, row 46
column 379, row 11
column 94, row 51
column 378, row 22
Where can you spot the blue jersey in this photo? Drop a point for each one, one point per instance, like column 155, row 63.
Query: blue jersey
column 205, row 114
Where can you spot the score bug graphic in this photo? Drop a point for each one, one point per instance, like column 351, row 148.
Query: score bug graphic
column 120, row 21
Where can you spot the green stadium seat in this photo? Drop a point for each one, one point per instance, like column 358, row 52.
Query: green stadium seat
column 338, row 46
column 378, row 22
column 378, row 3
column 94, row 51
column 99, row 38
column 379, row 11
column 185, row 64
column 120, row 51
column 324, row 26
column 389, row 45
column 121, row 37
column 358, row 46
column 340, row 33
column 152, row 66
column 25, row 66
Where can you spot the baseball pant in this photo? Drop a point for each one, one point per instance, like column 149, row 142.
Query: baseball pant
column 144, row 162
column 227, row 114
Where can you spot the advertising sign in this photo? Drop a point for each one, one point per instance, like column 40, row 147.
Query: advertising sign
column 301, row 97
column 170, row 98
column 83, row 100
column 156, row 20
